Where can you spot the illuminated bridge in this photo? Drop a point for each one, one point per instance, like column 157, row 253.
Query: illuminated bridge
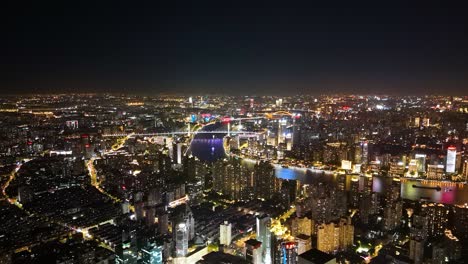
column 240, row 133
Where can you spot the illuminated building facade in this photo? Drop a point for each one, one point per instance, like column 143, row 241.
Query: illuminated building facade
column 288, row 253
column 451, row 159
column 302, row 225
column 435, row 172
column 253, row 251
column 334, row 237
column 263, row 225
column 225, row 233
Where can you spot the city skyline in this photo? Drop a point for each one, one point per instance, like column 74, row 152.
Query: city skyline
column 207, row 132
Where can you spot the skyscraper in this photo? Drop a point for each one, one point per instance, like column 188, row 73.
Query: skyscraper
column 451, row 159
column 288, row 253
column 181, row 239
column 264, row 236
column 225, row 233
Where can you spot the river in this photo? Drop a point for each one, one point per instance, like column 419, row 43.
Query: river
column 209, row 147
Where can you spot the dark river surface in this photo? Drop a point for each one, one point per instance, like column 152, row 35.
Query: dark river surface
column 209, row 147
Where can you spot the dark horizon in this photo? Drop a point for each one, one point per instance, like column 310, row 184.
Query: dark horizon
column 200, row 48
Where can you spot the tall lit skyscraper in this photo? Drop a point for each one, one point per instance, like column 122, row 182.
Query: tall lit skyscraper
column 264, row 236
column 253, row 251
column 181, row 239
column 288, row 254
column 451, row 159
column 225, row 233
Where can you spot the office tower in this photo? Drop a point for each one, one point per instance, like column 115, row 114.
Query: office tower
column 464, row 174
column 354, row 192
column 127, row 252
column 451, row 159
column 179, row 149
column 365, row 152
column 181, row 239
column 225, row 233
column 253, row 251
column 421, row 158
column 183, row 229
column 152, row 254
column 263, row 225
column 288, row 253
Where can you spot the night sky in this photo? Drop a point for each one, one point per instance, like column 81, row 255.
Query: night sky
column 201, row 47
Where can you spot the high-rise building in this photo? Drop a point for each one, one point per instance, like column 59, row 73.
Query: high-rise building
column 333, row 237
column 451, row 159
column 181, row 239
column 152, row 254
column 253, row 251
column 354, row 192
column 437, row 216
column 393, row 193
column 183, row 229
column 264, row 235
column 421, row 158
column 392, row 215
column 225, row 233
column 288, row 253
column 233, row 179
column 461, row 221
